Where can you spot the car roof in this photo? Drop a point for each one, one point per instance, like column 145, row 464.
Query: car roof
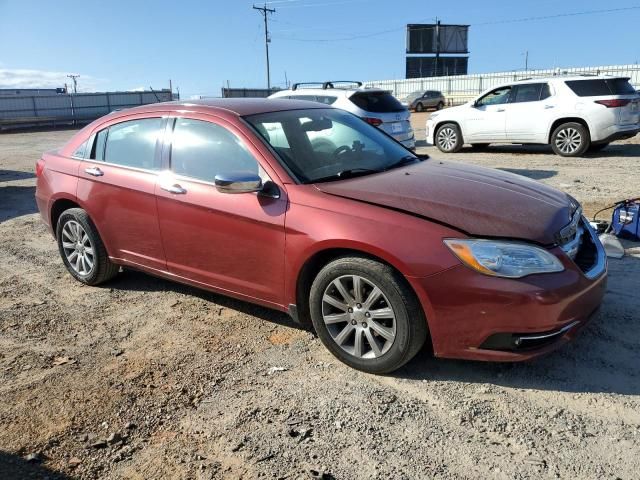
column 235, row 106
column 336, row 91
column 564, row 78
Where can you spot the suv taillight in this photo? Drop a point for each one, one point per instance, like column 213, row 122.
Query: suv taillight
column 616, row 102
column 39, row 167
column 376, row 122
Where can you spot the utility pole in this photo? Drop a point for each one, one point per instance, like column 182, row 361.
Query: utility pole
column 436, row 74
column 75, row 82
column 526, row 60
column 265, row 12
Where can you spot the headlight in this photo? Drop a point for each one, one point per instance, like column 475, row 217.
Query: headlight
column 504, row 259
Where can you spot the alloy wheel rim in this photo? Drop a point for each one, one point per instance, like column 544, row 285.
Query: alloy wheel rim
column 77, row 248
column 447, row 138
column 359, row 317
column 568, row 140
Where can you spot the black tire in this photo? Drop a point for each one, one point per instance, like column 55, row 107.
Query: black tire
column 452, row 141
column 570, row 130
column 410, row 324
column 419, row 107
column 102, row 268
column 440, row 106
column 598, row 147
column 480, row 146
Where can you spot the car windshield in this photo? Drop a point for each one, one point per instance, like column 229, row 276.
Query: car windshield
column 319, row 145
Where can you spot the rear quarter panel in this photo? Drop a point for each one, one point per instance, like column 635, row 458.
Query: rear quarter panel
column 58, row 180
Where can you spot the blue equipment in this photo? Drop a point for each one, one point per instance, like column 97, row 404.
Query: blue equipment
column 625, row 221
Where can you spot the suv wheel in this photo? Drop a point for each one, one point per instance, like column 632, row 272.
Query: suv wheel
column 81, row 248
column 419, row 107
column 440, row 106
column 366, row 314
column 449, row 138
column 570, row 140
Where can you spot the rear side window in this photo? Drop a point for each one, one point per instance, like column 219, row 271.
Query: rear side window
column 377, row 102
column 326, row 99
column 202, row 150
column 601, row 87
column 130, row 144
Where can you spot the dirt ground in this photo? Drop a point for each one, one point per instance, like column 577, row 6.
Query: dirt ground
column 142, row 378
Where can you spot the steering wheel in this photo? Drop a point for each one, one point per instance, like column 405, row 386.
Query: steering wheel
column 341, row 150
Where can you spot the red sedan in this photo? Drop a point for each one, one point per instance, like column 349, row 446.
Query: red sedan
column 310, row 210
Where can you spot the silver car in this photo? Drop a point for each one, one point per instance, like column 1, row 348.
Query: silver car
column 421, row 101
column 375, row 106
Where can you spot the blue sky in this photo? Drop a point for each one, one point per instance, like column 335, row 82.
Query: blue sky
column 202, row 44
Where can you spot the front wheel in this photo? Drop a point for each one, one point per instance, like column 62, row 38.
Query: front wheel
column 419, row 107
column 449, row 138
column 366, row 315
column 81, row 248
column 570, row 140
column 440, row 106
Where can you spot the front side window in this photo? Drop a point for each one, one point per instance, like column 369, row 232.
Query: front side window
column 202, row 150
column 328, row 144
column 495, row 97
column 130, row 144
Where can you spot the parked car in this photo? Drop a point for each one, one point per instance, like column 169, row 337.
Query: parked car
column 375, row 248
column 421, row 101
column 375, row 106
column 572, row 114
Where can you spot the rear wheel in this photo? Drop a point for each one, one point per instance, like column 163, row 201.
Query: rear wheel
column 440, row 106
column 366, row 315
column 449, row 138
column 570, row 140
column 81, row 248
column 419, row 107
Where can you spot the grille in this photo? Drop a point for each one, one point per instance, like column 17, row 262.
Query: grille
column 581, row 247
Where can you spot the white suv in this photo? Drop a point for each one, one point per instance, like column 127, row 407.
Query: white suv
column 572, row 114
column 375, row 106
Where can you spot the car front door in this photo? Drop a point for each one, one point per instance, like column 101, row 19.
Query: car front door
column 231, row 242
column 117, row 188
column 529, row 113
column 486, row 120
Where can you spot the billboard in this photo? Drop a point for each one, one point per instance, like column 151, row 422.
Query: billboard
column 421, row 67
column 437, row 38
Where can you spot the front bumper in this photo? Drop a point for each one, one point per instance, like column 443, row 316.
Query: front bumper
column 474, row 316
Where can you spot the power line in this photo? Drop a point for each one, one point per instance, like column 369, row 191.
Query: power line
column 265, row 13
column 493, row 22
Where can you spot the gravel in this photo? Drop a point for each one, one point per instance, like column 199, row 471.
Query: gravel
column 143, row 378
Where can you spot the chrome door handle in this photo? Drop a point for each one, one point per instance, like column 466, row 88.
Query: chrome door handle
column 549, row 106
column 500, row 110
column 94, row 171
column 175, row 188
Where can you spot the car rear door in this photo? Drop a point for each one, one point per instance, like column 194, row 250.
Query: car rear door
column 486, row 119
column 529, row 113
column 117, row 188
column 231, row 242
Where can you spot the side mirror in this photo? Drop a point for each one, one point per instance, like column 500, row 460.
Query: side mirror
column 238, row 182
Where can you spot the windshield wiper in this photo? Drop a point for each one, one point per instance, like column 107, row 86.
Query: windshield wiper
column 408, row 160
column 344, row 174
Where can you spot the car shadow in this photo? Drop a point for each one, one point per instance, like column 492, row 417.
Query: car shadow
column 14, row 467
column 11, row 175
column 617, row 150
column 530, row 173
column 133, row 280
column 16, row 201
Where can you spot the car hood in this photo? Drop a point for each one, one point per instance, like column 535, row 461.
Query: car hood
column 479, row 201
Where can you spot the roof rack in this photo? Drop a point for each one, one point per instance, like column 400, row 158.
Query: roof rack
column 332, row 83
column 326, row 85
column 296, row 85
